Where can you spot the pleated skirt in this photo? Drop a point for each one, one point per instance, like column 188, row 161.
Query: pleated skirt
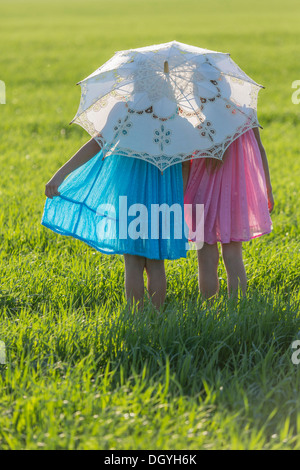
column 234, row 195
column 122, row 205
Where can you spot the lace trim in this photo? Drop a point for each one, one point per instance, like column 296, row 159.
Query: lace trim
column 162, row 162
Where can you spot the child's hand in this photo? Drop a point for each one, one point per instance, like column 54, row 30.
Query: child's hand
column 270, row 200
column 52, row 185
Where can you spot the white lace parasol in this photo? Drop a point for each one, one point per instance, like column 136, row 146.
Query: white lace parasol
column 168, row 103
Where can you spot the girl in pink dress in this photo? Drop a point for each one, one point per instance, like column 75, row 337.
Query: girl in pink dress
column 237, row 197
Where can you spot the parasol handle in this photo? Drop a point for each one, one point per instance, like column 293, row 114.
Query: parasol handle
column 166, row 66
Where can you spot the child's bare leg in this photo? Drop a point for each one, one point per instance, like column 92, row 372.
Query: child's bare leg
column 157, row 283
column 233, row 260
column 134, row 279
column 208, row 259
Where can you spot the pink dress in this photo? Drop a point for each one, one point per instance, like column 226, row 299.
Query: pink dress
column 234, row 195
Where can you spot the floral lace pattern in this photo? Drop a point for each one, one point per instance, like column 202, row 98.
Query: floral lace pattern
column 162, row 137
column 163, row 161
column 196, row 105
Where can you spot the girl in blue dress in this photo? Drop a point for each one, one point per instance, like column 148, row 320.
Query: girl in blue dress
column 113, row 205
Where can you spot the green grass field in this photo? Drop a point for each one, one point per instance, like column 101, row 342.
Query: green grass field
column 81, row 371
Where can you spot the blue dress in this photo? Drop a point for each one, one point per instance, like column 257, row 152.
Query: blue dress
column 122, row 205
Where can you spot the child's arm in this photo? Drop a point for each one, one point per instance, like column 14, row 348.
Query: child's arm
column 83, row 155
column 266, row 169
